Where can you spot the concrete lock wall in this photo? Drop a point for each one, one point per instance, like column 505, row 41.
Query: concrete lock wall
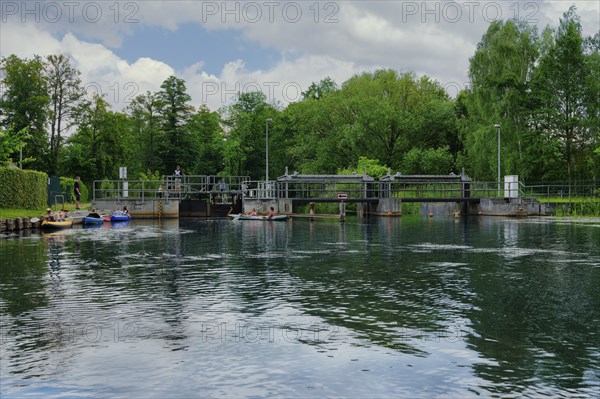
column 149, row 209
column 511, row 207
column 263, row 206
column 440, row 209
column 387, row 206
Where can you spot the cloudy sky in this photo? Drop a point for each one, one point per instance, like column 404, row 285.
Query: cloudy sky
column 125, row 48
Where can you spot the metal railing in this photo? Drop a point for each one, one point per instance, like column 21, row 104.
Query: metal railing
column 562, row 190
column 128, row 189
column 171, row 187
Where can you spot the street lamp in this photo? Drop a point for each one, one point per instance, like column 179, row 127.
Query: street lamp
column 497, row 126
column 267, row 144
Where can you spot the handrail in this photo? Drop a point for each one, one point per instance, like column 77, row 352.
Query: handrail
column 178, row 188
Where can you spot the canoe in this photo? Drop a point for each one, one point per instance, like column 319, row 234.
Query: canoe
column 120, row 217
column 49, row 225
column 92, row 220
column 262, row 218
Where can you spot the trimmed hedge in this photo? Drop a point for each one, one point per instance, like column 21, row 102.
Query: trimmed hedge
column 25, row 189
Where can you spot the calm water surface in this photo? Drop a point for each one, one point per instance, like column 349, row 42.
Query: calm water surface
column 391, row 308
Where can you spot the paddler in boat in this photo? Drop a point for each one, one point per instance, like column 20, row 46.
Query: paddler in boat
column 94, row 214
column 47, row 215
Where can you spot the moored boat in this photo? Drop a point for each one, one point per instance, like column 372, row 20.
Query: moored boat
column 92, row 220
column 262, row 218
column 120, row 217
column 54, row 225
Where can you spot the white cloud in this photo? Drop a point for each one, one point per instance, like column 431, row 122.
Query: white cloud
column 281, row 84
column 325, row 39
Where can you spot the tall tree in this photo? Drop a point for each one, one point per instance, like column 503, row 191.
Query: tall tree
column 245, row 145
column 147, row 133
column 206, row 128
column 380, row 115
column 592, row 51
column 175, row 116
column 66, row 92
column 319, row 90
column 10, row 143
column 23, row 105
column 500, row 74
column 560, row 92
column 98, row 148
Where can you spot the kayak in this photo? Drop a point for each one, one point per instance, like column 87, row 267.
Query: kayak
column 50, row 225
column 92, row 220
column 120, row 217
column 262, row 218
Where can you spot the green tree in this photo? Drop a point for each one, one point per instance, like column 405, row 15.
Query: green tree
column 500, row 73
column 10, row 143
column 23, row 105
column 561, row 96
column 245, row 148
column 319, row 90
column 379, row 115
column 175, row 114
column 66, row 93
column 370, row 167
column 205, row 126
column 592, row 51
column 309, row 127
column 147, row 133
column 98, row 148
column 428, row 161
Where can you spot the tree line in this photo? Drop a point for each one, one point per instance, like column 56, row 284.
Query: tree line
column 543, row 89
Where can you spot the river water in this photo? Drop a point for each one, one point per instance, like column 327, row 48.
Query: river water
column 388, row 308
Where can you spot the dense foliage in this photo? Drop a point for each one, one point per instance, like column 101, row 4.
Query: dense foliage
column 541, row 88
column 26, row 189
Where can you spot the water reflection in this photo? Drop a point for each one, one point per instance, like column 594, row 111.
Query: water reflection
column 394, row 307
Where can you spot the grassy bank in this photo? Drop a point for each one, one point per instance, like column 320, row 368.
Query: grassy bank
column 574, row 207
column 11, row 213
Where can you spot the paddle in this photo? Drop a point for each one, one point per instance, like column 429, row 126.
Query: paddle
column 34, row 220
column 236, row 216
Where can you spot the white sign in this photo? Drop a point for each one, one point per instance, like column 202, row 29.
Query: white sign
column 342, row 196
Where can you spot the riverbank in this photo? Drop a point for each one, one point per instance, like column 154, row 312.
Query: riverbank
column 14, row 219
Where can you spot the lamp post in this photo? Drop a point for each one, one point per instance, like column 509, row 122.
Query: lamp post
column 497, row 126
column 267, row 144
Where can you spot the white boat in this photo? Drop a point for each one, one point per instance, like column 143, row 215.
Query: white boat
column 239, row 216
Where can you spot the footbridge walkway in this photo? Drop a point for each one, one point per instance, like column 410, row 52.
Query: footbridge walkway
column 205, row 195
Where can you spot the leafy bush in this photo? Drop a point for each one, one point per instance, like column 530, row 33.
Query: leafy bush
column 419, row 161
column 26, row 189
column 372, row 167
column 67, row 186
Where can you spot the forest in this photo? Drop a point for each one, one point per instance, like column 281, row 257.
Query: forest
column 542, row 88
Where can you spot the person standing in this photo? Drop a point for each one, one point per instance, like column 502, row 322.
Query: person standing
column 77, row 192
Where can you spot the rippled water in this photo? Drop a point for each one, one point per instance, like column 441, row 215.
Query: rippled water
column 393, row 308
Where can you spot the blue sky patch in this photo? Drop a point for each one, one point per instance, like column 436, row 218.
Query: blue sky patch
column 191, row 43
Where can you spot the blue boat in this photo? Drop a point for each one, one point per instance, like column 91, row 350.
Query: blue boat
column 92, row 220
column 120, row 216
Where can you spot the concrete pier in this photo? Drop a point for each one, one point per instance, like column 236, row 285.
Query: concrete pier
column 147, row 209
